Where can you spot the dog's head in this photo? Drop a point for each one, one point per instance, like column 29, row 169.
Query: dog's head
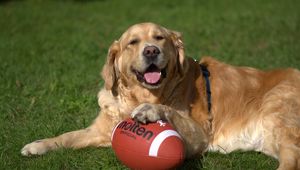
column 146, row 54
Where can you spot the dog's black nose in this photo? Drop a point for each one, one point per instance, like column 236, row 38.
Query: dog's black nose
column 151, row 52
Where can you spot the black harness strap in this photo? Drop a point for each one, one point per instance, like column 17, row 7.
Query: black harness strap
column 206, row 75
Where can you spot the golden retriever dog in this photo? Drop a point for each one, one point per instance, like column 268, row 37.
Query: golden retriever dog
column 214, row 106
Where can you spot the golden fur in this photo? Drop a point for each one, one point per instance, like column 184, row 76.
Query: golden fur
column 251, row 109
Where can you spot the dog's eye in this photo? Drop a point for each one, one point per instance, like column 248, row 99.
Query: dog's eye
column 133, row 42
column 158, row 37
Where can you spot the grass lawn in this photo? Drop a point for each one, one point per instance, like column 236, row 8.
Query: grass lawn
column 51, row 54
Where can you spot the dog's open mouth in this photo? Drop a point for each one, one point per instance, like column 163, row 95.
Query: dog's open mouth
column 152, row 76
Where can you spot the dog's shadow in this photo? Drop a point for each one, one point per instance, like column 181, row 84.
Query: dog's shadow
column 247, row 160
column 194, row 163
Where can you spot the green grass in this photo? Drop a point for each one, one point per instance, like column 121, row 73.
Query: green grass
column 51, row 53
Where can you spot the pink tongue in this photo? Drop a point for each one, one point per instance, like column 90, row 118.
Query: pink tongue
column 152, row 77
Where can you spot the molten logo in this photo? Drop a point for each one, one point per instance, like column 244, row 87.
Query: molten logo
column 134, row 127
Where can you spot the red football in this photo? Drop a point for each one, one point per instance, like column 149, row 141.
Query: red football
column 152, row 146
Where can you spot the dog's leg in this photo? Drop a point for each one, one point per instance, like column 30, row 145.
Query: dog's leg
column 288, row 158
column 98, row 134
column 195, row 138
column 289, row 149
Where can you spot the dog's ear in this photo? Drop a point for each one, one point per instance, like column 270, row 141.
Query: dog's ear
column 110, row 72
column 176, row 37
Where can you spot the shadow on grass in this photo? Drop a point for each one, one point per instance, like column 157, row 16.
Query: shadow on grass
column 4, row 2
column 234, row 161
column 85, row 1
column 195, row 163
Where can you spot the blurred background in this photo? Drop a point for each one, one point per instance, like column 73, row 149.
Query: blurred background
column 51, row 54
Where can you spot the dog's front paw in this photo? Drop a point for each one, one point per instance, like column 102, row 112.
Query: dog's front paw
column 145, row 113
column 35, row 148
